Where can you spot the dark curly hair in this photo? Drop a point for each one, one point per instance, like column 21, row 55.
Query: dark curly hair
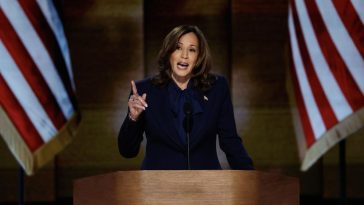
column 201, row 77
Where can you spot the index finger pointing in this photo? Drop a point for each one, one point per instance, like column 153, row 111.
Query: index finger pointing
column 133, row 87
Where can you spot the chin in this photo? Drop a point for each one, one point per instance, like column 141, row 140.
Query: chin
column 182, row 73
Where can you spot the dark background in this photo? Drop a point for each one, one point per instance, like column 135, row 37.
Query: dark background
column 114, row 41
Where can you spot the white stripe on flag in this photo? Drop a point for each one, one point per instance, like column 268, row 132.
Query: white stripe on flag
column 328, row 82
column 343, row 42
column 38, row 52
column 314, row 116
column 25, row 95
column 51, row 15
column 359, row 7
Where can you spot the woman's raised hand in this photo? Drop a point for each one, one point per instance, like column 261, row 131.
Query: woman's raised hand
column 137, row 103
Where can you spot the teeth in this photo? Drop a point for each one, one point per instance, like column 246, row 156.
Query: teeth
column 183, row 64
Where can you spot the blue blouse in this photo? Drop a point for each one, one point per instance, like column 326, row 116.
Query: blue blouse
column 177, row 98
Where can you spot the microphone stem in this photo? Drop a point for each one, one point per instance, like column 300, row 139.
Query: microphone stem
column 188, row 151
column 187, row 108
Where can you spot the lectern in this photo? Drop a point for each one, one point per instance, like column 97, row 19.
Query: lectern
column 187, row 187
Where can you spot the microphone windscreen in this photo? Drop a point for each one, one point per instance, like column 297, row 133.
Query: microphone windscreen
column 187, row 108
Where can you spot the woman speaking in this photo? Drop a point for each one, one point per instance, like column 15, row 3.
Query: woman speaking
column 182, row 110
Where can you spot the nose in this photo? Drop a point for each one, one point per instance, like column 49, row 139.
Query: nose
column 184, row 53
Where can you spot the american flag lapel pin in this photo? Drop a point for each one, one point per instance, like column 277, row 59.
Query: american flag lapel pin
column 205, row 98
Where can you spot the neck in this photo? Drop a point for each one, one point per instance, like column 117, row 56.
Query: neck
column 181, row 82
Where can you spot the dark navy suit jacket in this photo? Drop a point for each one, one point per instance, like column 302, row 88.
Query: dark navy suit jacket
column 164, row 149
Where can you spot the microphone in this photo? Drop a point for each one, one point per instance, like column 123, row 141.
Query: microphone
column 187, row 109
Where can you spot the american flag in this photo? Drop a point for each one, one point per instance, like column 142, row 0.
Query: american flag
column 38, row 110
column 327, row 73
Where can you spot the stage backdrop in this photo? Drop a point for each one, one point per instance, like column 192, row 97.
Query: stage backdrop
column 112, row 42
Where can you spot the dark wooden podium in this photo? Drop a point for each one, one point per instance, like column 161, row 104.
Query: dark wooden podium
column 187, row 187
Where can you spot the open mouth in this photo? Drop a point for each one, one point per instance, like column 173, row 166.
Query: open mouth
column 182, row 65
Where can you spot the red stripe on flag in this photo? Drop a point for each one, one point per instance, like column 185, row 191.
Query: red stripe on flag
column 321, row 100
column 337, row 66
column 30, row 72
column 352, row 22
column 307, row 129
column 19, row 118
column 44, row 31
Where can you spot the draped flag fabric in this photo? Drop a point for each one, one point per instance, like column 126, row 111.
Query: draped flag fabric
column 326, row 72
column 38, row 111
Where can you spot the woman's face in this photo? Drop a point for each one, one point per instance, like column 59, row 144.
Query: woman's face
column 184, row 58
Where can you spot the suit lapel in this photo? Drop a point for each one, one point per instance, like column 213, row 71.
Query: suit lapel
column 199, row 118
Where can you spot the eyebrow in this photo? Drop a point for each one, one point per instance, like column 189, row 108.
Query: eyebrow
column 190, row 45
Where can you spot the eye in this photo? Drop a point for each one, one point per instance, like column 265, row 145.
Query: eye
column 178, row 47
column 193, row 50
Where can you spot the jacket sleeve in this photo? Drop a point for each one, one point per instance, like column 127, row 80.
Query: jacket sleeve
column 230, row 142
